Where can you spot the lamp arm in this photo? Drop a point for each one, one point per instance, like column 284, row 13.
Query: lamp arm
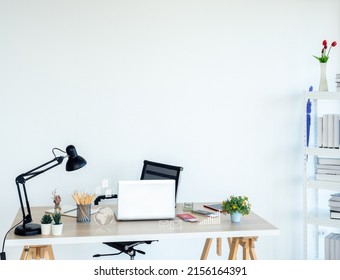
column 35, row 171
column 21, row 179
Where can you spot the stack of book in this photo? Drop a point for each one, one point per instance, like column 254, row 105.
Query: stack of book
column 328, row 169
column 328, row 131
column 332, row 246
column 337, row 81
column 334, row 206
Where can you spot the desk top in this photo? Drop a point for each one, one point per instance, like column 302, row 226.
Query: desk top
column 104, row 228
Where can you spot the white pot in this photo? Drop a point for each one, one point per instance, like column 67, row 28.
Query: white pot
column 57, row 229
column 46, row 229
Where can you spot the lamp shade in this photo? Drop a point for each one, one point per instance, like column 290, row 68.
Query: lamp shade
column 74, row 161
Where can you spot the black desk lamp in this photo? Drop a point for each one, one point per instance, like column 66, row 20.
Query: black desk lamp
column 74, row 162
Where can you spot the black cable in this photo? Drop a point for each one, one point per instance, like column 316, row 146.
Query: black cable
column 3, row 254
column 58, row 150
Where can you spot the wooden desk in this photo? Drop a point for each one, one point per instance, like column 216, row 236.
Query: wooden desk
column 94, row 232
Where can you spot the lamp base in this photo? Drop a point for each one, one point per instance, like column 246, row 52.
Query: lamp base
column 28, row 229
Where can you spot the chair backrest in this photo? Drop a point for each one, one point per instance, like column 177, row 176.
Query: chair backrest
column 158, row 171
column 153, row 171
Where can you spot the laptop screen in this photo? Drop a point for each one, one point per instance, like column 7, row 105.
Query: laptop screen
column 146, row 200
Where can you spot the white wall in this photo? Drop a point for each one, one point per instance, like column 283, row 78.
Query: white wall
column 215, row 86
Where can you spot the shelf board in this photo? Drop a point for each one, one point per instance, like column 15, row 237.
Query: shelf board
column 322, row 152
column 323, row 185
column 323, row 95
column 320, row 217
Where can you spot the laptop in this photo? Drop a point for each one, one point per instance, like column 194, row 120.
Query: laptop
column 145, row 200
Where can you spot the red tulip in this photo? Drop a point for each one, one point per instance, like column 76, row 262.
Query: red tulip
column 324, row 53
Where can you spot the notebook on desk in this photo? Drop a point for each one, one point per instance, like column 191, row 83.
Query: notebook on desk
column 145, row 200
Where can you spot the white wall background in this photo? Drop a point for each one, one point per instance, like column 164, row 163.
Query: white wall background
column 214, row 86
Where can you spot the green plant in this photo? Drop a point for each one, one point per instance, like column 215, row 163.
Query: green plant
column 324, row 57
column 56, row 218
column 46, row 219
column 236, row 204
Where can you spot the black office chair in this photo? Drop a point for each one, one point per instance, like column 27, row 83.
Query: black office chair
column 151, row 171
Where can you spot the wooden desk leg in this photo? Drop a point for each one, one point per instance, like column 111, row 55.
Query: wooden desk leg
column 248, row 245
column 219, row 246
column 49, row 253
column 206, row 248
column 245, row 245
column 233, row 248
column 252, row 248
column 24, row 253
column 37, row 252
column 230, row 240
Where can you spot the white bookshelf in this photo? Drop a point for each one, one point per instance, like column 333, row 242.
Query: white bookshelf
column 316, row 218
column 323, row 95
column 320, row 217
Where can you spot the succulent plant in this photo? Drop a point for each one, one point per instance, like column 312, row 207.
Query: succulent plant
column 56, row 218
column 46, row 219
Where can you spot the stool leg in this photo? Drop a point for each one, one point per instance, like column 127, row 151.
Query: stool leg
column 233, row 248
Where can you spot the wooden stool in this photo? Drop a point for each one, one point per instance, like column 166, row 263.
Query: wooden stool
column 248, row 245
column 37, row 252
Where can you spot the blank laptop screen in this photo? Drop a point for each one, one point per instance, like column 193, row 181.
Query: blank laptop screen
column 146, row 200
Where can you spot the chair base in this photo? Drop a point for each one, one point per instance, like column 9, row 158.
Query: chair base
column 127, row 248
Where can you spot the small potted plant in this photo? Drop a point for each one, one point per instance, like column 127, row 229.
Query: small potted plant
column 236, row 206
column 46, row 222
column 57, row 226
column 323, row 59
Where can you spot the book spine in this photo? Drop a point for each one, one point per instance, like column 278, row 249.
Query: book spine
column 336, row 131
column 328, row 166
column 335, row 204
column 320, row 129
column 330, row 124
column 327, row 177
column 331, row 161
column 325, row 131
column 327, row 245
column 328, row 171
column 334, row 215
column 335, row 196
